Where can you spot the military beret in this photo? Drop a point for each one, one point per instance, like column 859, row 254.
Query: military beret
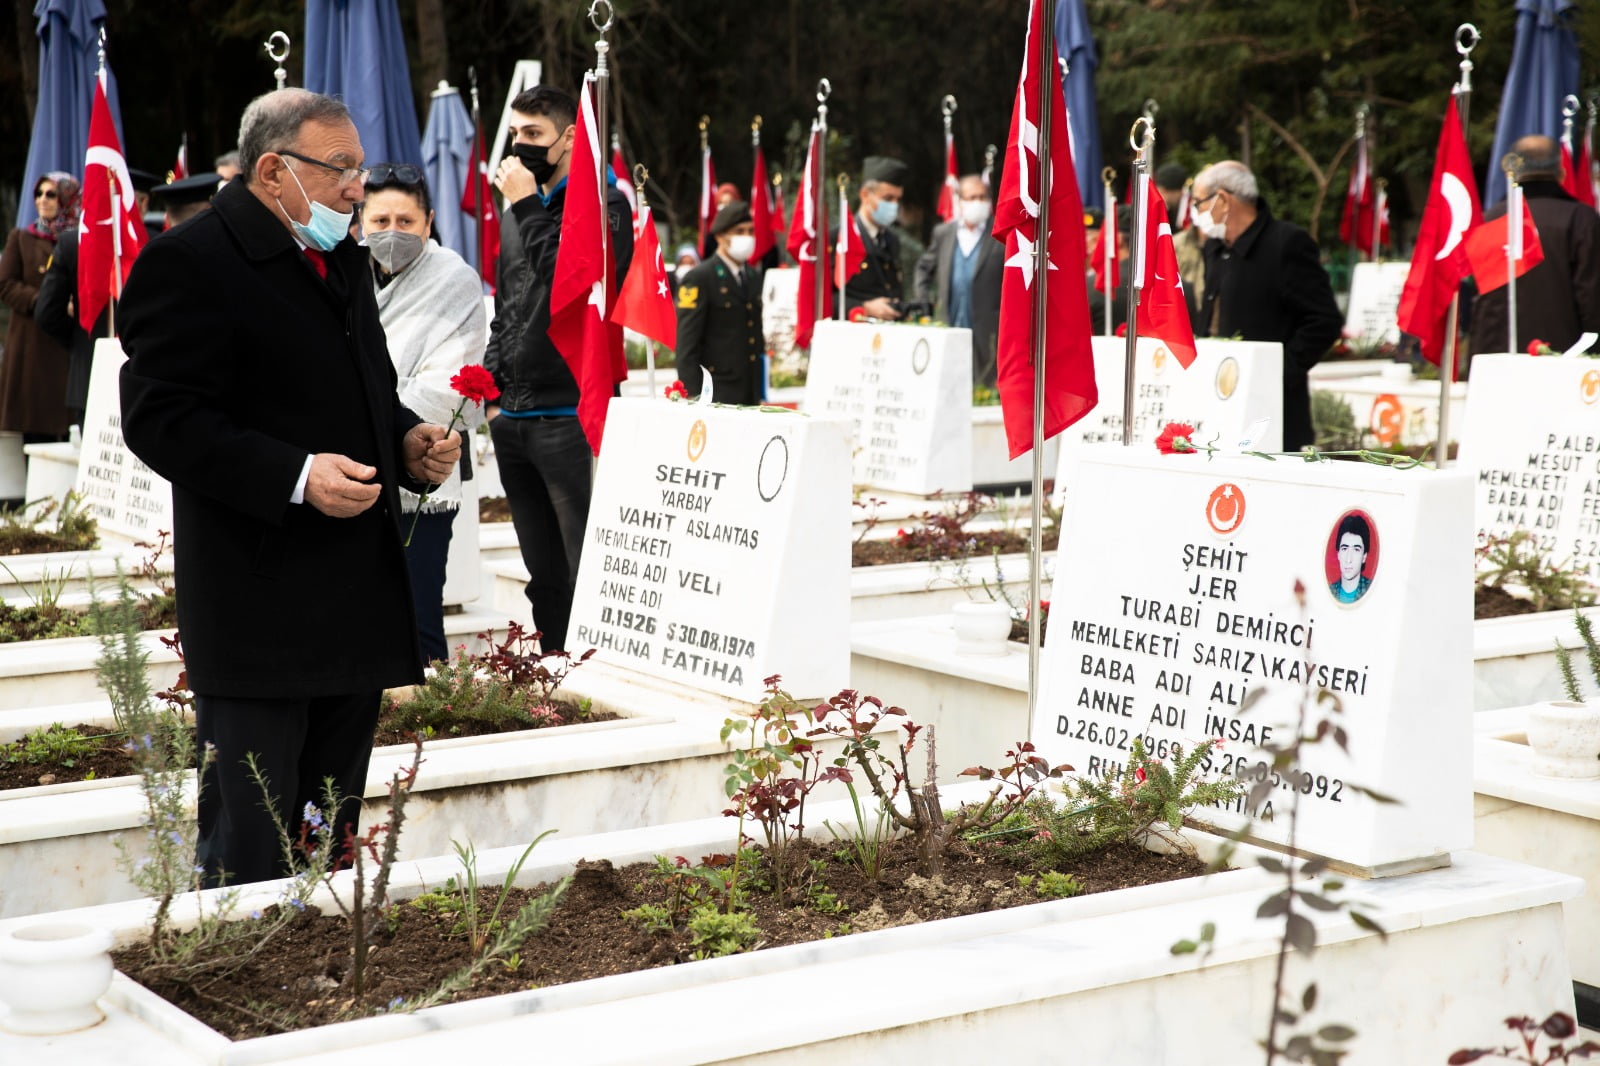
column 884, row 168
column 1092, row 217
column 191, row 190
column 731, row 215
column 1171, row 175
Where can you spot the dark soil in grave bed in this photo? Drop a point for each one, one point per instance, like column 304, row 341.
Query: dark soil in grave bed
column 919, row 547
column 39, row 542
column 494, row 509
column 303, row 980
column 1491, row 602
column 108, row 759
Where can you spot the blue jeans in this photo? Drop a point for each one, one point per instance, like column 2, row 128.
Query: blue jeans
column 545, row 467
column 425, row 559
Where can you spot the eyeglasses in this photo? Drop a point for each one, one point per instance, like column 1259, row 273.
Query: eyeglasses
column 45, row 194
column 346, row 174
column 404, row 173
column 1198, row 205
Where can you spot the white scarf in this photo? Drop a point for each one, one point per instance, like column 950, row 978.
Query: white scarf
column 434, row 317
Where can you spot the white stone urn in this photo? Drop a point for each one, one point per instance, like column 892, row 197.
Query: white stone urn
column 51, row 974
column 1565, row 738
column 981, row 628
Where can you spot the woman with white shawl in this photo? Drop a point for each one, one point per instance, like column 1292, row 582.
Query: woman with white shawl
column 431, row 305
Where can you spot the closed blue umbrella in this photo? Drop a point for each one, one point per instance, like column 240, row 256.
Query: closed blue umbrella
column 354, row 50
column 446, row 153
column 1075, row 44
column 69, row 49
column 1544, row 69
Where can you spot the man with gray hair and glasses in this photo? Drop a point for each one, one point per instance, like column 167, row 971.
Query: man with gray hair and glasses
column 1264, row 281
column 259, row 384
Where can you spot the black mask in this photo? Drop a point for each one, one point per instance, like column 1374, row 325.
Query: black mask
column 536, row 157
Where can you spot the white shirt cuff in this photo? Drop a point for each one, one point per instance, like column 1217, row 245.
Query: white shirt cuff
column 300, row 486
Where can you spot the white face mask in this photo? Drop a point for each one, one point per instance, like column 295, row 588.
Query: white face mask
column 1208, row 226
column 741, row 246
column 974, row 212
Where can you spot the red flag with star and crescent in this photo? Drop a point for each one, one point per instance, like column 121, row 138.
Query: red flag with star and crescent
column 584, row 285
column 110, row 230
column 761, row 209
column 806, row 237
column 849, row 253
column 477, row 200
column 1070, row 391
column 645, row 303
column 1439, row 261
column 950, row 191
column 1163, row 311
column 619, row 167
column 708, row 200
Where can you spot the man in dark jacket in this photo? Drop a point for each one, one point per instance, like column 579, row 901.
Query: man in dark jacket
column 259, row 384
column 959, row 275
column 719, row 314
column 1264, row 282
column 878, row 289
column 540, row 448
column 1558, row 300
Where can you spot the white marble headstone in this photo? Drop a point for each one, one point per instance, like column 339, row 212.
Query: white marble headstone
column 1230, row 385
column 1395, row 407
column 1185, row 601
column 1374, row 300
column 718, row 548
column 126, row 497
column 1532, row 438
column 908, row 390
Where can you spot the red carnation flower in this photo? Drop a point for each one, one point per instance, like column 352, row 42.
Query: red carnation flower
column 676, row 391
column 1176, row 437
column 474, row 382
column 1539, row 347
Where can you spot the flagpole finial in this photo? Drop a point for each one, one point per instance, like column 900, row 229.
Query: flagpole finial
column 1511, row 163
column 594, row 16
column 705, row 126
column 640, row 176
column 1108, row 175
column 843, row 180
column 102, row 50
column 1363, row 109
column 1151, row 109
column 277, row 49
column 1142, row 144
column 948, row 105
column 777, row 178
column 1467, row 38
column 824, row 90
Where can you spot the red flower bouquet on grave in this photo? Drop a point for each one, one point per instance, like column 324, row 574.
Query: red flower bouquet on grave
column 1539, row 347
column 676, row 391
column 1175, row 438
column 473, row 383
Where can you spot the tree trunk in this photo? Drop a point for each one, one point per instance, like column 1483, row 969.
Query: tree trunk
column 28, row 52
column 433, row 46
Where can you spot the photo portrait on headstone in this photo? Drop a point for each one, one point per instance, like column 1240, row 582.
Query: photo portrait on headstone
column 1352, row 557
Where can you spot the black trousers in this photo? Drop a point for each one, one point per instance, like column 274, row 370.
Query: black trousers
column 545, row 468
column 298, row 744
column 426, row 559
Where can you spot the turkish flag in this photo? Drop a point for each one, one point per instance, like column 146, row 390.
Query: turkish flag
column 477, row 200
column 1105, row 243
column 849, row 253
column 619, row 167
column 810, row 221
column 1487, row 249
column 645, row 303
column 1439, row 260
column 761, row 209
column 110, row 229
column 180, row 165
column 1070, row 391
column 1586, row 189
column 1163, row 311
column 950, row 191
column 1569, row 172
column 584, row 284
column 708, row 199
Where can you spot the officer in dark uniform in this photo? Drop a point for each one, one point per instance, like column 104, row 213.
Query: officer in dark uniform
column 719, row 314
column 878, row 289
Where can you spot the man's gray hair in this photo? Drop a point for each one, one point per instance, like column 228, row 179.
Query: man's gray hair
column 1231, row 177
column 272, row 123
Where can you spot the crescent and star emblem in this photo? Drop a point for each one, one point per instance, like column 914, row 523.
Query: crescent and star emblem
column 1459, row 202
column 1386, row 417
column 1225, row 508
column 1589, row 387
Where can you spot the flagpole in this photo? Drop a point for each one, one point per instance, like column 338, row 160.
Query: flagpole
column 1108, row 249
column 1466, row 41
column 819, row 194
column 840, row 244
column 1143, row 151
column 1377, row 213
column 640, row 176
column 602, row 78
column 1380, row 206
column 1041, row 317
column 1510, row 163
column 702, row 229
column 476, row 177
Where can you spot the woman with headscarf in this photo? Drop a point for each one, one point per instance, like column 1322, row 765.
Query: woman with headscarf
column 431, row 305
column 33, row 368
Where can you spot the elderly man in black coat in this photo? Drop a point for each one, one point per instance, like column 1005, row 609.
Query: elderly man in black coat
column 1264, row 281
column 260, row 385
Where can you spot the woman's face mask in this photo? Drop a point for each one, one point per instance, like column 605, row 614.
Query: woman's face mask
column 394, row 249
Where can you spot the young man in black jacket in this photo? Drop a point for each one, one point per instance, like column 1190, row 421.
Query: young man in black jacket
column 540, row 448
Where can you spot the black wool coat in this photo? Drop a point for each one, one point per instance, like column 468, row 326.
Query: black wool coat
column 242, row 362
column 719, row 326
column 1270, row 286
column 1557, row 300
